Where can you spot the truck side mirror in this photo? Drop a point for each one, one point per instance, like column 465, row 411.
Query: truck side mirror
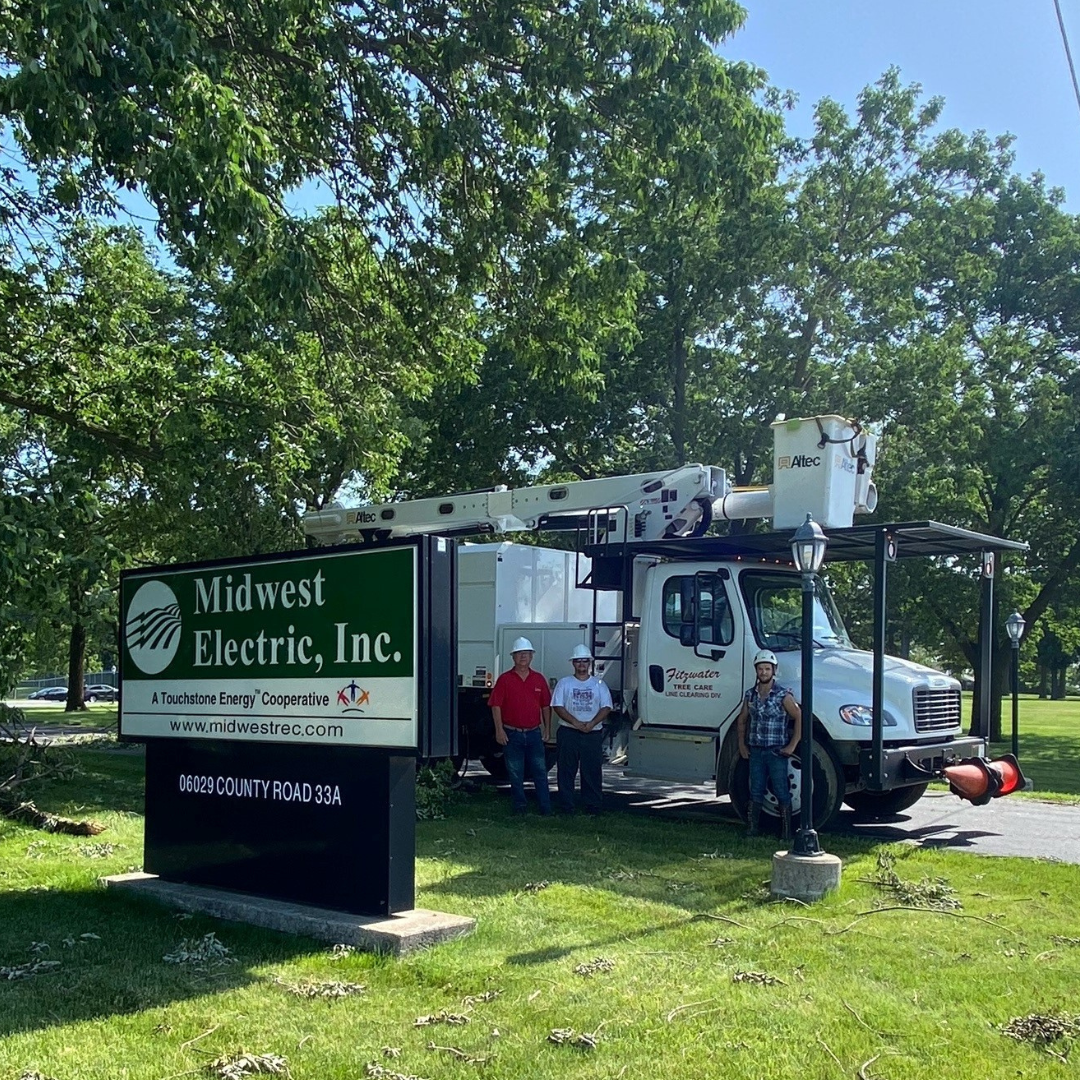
column 687, row 634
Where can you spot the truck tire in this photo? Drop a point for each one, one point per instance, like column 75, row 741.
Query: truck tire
column 871, row 805
column 828, row 790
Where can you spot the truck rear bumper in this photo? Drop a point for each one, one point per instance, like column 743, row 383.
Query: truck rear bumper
column 902, row 766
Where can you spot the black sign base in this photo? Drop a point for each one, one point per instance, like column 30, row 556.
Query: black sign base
column 330, row 827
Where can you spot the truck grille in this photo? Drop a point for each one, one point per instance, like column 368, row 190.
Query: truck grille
column 936, row 710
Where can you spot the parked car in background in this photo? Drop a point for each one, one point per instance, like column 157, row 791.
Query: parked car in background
column 50, row 693
column 100, row 692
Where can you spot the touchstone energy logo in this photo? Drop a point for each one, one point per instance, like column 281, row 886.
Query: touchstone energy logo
column 351, row 697
column 152, row 628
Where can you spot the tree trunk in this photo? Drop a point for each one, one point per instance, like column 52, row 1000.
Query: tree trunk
column 1059, row 682
column 1044, row 681
column 999, row 685
column 76, row 668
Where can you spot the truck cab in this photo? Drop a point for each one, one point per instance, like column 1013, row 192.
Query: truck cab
column 702, row 623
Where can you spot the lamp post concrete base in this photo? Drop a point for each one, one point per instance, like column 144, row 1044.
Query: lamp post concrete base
column 804, row 877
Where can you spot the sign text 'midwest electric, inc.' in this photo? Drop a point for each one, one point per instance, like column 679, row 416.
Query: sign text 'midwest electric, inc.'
column 318, row 648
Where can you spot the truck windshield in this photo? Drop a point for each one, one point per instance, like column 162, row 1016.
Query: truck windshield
column 774, row 602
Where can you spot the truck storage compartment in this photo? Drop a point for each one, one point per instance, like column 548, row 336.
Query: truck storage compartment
column 688, row 757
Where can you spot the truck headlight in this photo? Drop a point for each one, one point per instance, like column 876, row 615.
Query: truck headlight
column 863, row 716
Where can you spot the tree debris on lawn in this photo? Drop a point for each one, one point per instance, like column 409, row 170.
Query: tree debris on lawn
column 759, row 977
column 237, row 1066
column 568, row 1037
column 461, row 1055
column 26, row 813
column 380, row 1072
column 340, row 952
column 204, row 952
column 28, row 970
column 97, row 851
column 721, row 942
column 480, row 999
column 1058, row 939
column 329, row 989
column 601, row 963
column 391, row 1051
column 441, row 1017
column 32, row 1074
column 536, row 886
column 928, row 893
column 1042, row 1029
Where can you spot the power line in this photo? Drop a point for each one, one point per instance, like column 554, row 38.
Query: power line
column 1068, row 51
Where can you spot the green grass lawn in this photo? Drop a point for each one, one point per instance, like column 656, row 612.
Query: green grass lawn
column 653, row 936
column 1049, row 736
column 92, row 717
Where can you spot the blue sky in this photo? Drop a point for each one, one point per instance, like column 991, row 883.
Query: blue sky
column 999, row 65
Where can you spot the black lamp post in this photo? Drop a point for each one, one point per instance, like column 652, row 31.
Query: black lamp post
column 808, row 550
column 1014, row 625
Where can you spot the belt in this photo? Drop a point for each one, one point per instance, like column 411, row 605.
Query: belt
column 511, row 727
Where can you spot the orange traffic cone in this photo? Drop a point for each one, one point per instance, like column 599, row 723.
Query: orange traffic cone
column 979, row 780
column 1012, row 779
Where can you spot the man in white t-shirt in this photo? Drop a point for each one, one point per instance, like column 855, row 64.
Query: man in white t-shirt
column 581, row 702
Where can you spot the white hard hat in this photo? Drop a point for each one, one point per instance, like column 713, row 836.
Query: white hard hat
column 581, row 652
column 523, row 644
column 765, row 656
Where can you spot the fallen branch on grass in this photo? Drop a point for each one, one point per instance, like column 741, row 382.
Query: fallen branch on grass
column 461, row 1055
column 881, row 1034
column 689, row 1005
column 922, row 911
column 26, row 813
column 828, row 1050
column 720, row 918
column 31, row 763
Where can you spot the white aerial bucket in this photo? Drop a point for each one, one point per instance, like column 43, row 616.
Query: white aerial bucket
column 822, row 467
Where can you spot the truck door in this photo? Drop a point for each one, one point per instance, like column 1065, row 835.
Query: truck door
column 693, row 649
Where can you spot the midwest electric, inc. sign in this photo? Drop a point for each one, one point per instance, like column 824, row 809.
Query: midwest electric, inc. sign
column 314, row 648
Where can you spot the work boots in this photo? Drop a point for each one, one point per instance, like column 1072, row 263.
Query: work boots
column 785, row 822
column 753, row 817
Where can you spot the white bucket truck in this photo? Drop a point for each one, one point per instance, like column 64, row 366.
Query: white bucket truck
column 674, row 617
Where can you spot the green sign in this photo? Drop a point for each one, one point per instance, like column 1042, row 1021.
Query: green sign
column 316, row 648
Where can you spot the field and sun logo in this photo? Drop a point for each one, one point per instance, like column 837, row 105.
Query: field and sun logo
column 152, row 628
column 351, row 697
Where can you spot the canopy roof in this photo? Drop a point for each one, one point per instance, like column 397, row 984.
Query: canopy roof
column 855, row 544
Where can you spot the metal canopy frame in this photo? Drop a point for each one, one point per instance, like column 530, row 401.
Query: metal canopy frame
column 914, row 539
column 876, row 544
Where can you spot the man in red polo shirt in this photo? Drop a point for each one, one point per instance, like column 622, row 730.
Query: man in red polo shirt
column 521, row 708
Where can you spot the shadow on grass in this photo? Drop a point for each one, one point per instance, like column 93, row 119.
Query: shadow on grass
column 686, row 864
column 110, row 951
column 1053, row 761
column 543, row 956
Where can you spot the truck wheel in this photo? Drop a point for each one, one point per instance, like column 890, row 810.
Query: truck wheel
column 871, row 805
column 828, row 790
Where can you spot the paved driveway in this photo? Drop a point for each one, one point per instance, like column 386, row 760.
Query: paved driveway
column 939, row 819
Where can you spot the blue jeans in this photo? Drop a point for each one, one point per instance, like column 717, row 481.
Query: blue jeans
column 525, row 749
column 768, row 764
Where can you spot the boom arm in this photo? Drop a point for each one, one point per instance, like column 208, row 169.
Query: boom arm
column 657, row 505
column 821, row 466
